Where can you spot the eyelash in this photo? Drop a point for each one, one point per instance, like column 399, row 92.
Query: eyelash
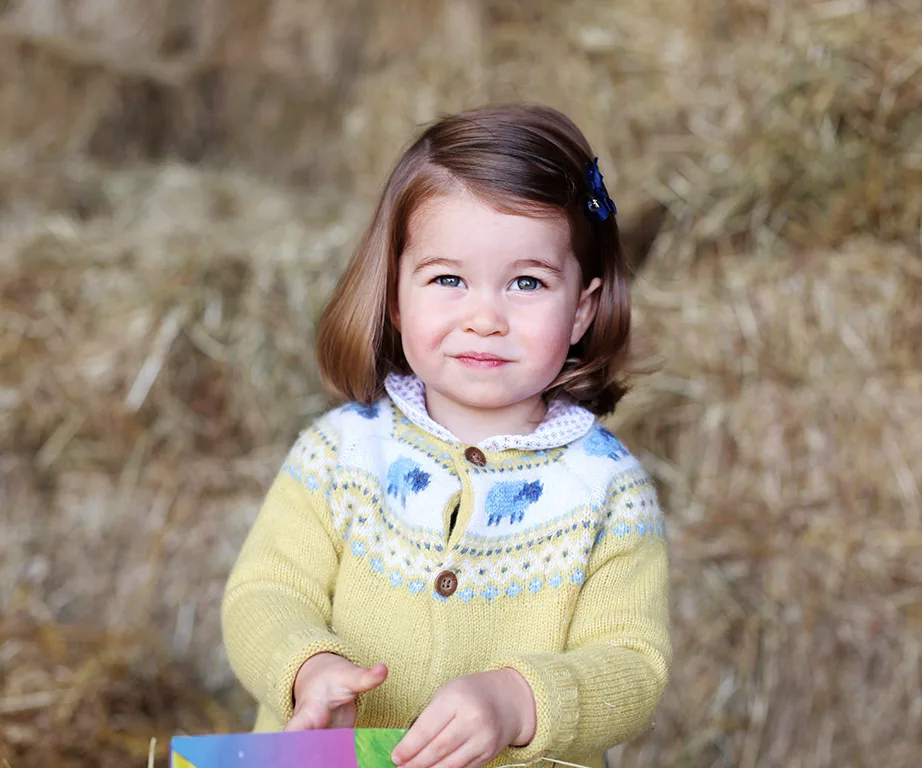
column 538, row 283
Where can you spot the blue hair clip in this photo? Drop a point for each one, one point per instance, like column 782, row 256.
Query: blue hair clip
column 599, row 205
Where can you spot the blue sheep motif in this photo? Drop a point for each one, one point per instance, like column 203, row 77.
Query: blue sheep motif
column 601, row 442
column 404, row 477
column 510, row 499
column 369, row 412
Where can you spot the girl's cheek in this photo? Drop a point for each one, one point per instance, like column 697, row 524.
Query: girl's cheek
column 552, row 344
column 547, row 324
column 430, row 308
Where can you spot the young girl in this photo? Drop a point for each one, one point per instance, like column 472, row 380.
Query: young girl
column 462, row 550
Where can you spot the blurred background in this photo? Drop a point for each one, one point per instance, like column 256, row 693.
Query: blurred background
column 181, row 183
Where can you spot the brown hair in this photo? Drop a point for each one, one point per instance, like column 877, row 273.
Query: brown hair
column 518, row 159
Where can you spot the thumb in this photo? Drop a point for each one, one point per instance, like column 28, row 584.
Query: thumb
column 362, row 680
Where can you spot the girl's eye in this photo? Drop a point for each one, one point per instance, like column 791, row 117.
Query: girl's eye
column 448, row 281
column 526, row 283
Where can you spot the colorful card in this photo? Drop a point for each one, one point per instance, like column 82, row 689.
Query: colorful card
column 343, row 748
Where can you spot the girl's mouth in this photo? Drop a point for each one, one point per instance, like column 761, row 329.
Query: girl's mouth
column 480, row 360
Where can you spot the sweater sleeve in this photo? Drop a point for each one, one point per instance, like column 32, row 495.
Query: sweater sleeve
column 277, row 605
column 605, row 687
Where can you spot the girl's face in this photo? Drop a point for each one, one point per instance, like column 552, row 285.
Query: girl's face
column 488, row 304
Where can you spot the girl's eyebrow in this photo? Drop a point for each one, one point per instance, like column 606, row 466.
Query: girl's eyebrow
column 540, row 264
column 435, row 261
column 441, row 261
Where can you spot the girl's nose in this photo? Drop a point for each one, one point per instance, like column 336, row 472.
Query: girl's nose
column 486, row 317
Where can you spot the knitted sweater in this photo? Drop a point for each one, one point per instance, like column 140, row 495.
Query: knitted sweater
column 385, row 539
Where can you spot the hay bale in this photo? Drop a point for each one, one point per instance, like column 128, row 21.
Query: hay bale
column 157, row 321
column 157, row 356
column 753, row 125
column 214, row 82
column 749, row 122
column 804, row 128
column 169, row 307
column 134, row 25
column 202, row 112
column 783, row 429
column 73, row 696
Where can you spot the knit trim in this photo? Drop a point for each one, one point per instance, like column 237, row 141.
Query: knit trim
column 563, row 423
column 286, row 660
column 556, row 692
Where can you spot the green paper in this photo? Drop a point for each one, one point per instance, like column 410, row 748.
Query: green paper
column 373, row 746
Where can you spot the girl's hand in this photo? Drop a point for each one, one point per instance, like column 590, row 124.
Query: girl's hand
column 325, row 690
column 469, row 721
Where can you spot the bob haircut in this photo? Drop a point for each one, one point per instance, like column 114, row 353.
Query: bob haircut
column 519, row 159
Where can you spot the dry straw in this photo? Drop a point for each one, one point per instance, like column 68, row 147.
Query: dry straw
column 75, row 696
column 156, row 323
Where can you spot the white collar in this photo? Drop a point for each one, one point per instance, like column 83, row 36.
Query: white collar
column 564, row 422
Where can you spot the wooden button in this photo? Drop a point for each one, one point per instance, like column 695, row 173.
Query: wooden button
column 475, row 456
column 446, row 583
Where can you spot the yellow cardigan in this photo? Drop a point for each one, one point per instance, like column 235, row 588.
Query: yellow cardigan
column 555, row 566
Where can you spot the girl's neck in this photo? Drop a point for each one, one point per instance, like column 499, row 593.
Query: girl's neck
column 473, row 425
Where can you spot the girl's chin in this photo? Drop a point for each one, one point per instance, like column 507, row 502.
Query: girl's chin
column 489, row 401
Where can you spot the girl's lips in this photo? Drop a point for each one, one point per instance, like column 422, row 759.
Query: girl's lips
column 479, row 360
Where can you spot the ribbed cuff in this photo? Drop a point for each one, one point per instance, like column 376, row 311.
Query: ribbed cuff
column 287, row 659
column 556, row 705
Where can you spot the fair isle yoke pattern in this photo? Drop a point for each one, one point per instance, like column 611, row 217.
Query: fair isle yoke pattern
column 534, row 516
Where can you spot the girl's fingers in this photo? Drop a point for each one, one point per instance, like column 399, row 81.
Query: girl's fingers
column 443, row 752
column 427, row 728
column 477, row 761
column 313, row 715
column 343, row 717
column 463, row 756
column 316, row 715
column 334, row 707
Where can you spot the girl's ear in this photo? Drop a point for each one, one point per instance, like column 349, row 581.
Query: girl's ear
column 586, row 308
